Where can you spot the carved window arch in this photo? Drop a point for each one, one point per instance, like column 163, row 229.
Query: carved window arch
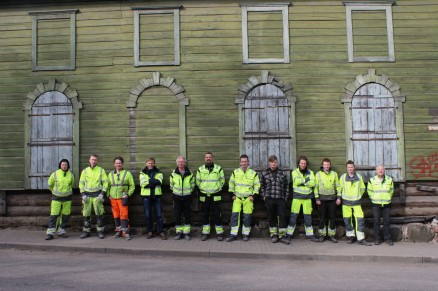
column 132, row 104
column 267, row 121
column 51, row 131
column 373, row 107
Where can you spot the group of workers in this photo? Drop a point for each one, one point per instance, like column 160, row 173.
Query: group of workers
column 272, row 184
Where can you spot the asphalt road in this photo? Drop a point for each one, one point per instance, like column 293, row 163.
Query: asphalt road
column 30, row 270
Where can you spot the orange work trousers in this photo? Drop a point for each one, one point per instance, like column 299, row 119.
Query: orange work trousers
column 119, row 211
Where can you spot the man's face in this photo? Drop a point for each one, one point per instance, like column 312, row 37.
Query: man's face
column 150, row 164
column 118, row 165
column 303, row 164
column 273, row 165
column 244, row 163
column 93, row 161
column 181, row 163
column 208, row 158
column 64, row 166
column 350, row 169
column 326, row 166
column 380, row 171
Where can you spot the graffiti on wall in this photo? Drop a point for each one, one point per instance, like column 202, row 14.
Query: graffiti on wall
column 424, row 167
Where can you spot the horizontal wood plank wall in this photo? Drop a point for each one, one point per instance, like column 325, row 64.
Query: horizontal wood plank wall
column 211, row 70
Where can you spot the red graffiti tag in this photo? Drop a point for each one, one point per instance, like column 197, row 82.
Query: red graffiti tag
column 425, row 167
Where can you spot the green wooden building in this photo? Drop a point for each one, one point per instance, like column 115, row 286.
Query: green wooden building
column 338, row 79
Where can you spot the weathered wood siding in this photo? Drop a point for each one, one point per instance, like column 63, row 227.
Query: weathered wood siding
column 211, row 71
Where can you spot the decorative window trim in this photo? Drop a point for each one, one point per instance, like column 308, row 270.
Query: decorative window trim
column 54, row 14
column 370, row 6
column 176, row 34
column 131, row 104
column 72, row 95
column 283, row 7
column 245, row 88
column 399, row 99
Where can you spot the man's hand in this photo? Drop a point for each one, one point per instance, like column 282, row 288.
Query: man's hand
column 234, row 197
column 338, row 201
column 318, row 202
column 251, row 198
column 84, row 198
column 100, row 197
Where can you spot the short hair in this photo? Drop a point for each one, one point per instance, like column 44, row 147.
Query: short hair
column 244, row 156
column 150, row 159
column 326, row 160
column 349, row 162
column 179, row 158
column 64, row 161
column 304, row 158
column 94, row 155
column 378, row 166
column 119, row 158
column 208, row 153
column 272, row 158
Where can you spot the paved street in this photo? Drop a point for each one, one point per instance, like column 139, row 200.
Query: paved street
column 37, row 270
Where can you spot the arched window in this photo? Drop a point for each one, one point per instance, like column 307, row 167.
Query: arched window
column 374, row 121
column 52, row 120
column 267, row 127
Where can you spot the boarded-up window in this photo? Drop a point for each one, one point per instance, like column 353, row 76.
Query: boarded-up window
column 51, row 140
column 374, row 131
column 370, row 32
column 156, row 37
column 266, row 128
column 53, row 40
column 265, row 33
column 157, row 128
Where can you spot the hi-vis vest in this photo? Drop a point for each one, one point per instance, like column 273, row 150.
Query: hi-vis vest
column 380, row 192
column 61, row 183
column 93, row 180
column 301, row 188
column 351, row 189
column 182, row 186
column 119, row 183
column 144, row 181
column 244, row 184
column 326, row 185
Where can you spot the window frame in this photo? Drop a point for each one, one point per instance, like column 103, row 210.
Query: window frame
column 370, row 6
column 284, row 8
column 47, row 15
column 176, row 34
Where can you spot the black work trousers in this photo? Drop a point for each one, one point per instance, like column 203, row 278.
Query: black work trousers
column 327, row 214
column 182, row 205
column 384, row 212
column 276, row 208
column 214, row 207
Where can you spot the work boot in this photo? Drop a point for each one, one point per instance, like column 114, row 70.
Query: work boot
column 204, row 237
column 187, row 236
column 232, row 238
column 49, row 236
column 220, row 237
column 364, row 243
column 101, row 235
column 285, row 240
column 321, row 238
column 312, row 238
column 84, row 234
column 274, row 239
column 127, row 236
column 351, row 240
column 179, row 236
column 118, row 234
column 377, row 242
column 163, row 236
column 63, row 235
column 245, row 237
column 149, row 235
column 332, row 239
column 389, row 242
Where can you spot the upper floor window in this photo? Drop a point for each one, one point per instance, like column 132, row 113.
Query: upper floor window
column 265, row 33
column 54, row 40
column 156, row 36
column 370, row 32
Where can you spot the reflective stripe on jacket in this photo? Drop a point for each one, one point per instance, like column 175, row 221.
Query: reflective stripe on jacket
column 326, row 185
column 244, row 183
column 93, row 180
column 61, row 183
column 210, row 182
column 182, row 185
column 119, row 183
column 144, row 182
column 351, row 189
column 380, row 192
column 303, row 184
